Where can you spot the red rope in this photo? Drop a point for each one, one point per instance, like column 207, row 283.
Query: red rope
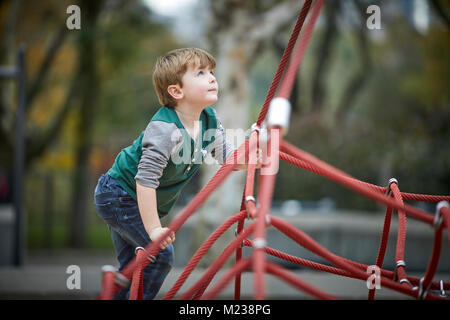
column 250, row 179
column 283, row 62
column 406, row 196
column 237, row 281
column 432, row 264
column 445, row 212
column 239, row 228
column 343, row 179
column 293, row 280
column 424, row 197
column 108, row 285
column 302, row 262
column 383, row 245
column 305, row 241
column 321, row 267
column 294, row 64
column 136, row 290
column 237, row 269
column 201, row 252
column 390, row 275
column 200, row 286
column 265, row 192
column 401, row 236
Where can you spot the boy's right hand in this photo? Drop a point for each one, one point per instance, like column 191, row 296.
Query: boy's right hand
column 157, row 232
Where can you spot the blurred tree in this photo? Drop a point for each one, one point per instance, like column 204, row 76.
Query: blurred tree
column 441, row 8
column 88, row 89
column 386, row 119
column 237, row 32
column 14, row 31
column 88, row 82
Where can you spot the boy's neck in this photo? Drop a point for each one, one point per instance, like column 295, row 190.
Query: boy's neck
column 188, row 114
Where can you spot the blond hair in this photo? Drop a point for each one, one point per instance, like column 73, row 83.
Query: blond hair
column 170, row 68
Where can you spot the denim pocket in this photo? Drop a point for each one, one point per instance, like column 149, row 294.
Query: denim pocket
column 106, row 210
column 105, row 204
column 127, row 201
column 103, row 199
column 129, row 216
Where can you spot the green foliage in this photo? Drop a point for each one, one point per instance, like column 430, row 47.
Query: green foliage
column 127, row 43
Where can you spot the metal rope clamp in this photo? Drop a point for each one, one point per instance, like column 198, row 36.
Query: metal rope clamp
column 255, row 127
column 408, row 282
column 268, row 220
column 422, row 292
column 438, row 218
column 247, row 199
column 236, row 234
column 388, row 189
column 442, row 291
column 439, row 292
column 400, row 263
column 263, row 134
column 150, row 257
column 279, row 114
column 259, row 243
column 119, row 278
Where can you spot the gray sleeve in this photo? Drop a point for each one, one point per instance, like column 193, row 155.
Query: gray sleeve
column 221, row 148
column 160, row 139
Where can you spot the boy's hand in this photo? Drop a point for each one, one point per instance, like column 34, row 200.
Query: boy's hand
column 157, row 232
column 259, row 159
column 258, row 163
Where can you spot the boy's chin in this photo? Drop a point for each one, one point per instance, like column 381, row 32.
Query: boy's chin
column 212, row 101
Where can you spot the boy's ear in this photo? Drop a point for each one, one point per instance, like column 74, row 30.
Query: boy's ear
column 175, row 91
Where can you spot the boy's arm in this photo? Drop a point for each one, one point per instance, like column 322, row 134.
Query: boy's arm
column 146, row 197
column 258, row 162
column 222, row 149
column 157, row 144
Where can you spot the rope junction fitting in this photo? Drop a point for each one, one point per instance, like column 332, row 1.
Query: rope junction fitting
column 279, row 114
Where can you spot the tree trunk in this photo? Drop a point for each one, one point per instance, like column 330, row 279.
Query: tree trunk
column 235, row 37
column 89, row 86
column 324, row 54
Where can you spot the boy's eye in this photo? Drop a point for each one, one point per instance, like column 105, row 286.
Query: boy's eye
column 201, row 72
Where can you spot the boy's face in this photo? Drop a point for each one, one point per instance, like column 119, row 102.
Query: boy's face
column 200, row 87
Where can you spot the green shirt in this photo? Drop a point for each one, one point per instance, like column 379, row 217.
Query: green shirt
column 165, row 156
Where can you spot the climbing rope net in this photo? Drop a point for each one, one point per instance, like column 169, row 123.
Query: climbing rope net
column 273, row 119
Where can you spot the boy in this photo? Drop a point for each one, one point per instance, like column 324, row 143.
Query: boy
column 145, row 180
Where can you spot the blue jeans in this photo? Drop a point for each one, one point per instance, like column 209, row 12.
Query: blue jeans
column 121, row 213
